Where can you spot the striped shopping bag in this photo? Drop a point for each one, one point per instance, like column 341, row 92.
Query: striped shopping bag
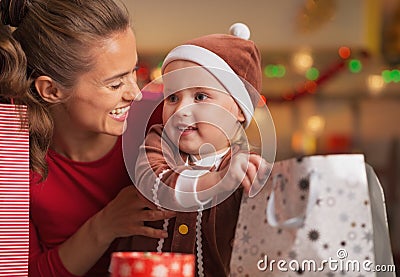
column 14, row 191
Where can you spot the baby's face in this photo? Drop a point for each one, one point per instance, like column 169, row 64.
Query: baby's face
column 199, row 115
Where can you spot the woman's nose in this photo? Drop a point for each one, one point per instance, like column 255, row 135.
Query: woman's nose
column 133, row 92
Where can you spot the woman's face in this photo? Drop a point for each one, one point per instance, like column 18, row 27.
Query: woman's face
column 199, row 115
column 100, row 100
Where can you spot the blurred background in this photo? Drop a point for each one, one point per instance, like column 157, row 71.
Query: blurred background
column 331, row 72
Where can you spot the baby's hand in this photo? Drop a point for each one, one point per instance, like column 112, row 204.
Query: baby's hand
column 263, row 171
column 250, row 170
column 256, row 174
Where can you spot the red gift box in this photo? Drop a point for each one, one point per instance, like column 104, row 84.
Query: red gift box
column 140, row 264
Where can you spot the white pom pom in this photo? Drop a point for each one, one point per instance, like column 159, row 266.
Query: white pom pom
column 240, row 30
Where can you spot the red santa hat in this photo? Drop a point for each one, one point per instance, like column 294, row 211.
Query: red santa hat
column 234, row 54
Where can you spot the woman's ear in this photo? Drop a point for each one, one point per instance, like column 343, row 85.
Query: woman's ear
column 49, row 90
column 241, row 117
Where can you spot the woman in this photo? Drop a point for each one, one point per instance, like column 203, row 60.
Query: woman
column 81, row 69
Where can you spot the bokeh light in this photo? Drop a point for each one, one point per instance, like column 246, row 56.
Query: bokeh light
column 344, row 52
column 355, row 66
column 312, row 74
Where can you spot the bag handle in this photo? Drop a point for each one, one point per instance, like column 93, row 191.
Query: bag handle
column 294, row 222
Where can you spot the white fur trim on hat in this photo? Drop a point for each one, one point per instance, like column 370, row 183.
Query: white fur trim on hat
column 220, row 69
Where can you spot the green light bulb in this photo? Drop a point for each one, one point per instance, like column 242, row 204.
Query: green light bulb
column 281, row 71
column 269, row 71
column 355, row 66
column 387, row 76
column 395, row 75
column 312, row 74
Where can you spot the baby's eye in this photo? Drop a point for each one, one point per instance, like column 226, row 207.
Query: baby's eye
column 201, row 96
column 172, row 98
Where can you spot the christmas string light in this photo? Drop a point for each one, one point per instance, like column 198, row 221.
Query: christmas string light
column 315, row 78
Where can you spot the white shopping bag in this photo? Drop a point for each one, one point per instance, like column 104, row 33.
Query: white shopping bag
column 14, row 191
column 315, row 217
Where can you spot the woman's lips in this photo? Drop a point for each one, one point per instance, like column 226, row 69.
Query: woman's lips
column 120, row 114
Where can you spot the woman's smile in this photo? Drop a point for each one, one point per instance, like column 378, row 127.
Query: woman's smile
column 120, row 114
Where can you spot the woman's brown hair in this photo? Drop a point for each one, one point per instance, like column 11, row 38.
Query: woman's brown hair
column 13, row 83
column 56, row 37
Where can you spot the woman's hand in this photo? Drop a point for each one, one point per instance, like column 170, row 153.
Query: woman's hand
column 125, row 214
column 122, row 217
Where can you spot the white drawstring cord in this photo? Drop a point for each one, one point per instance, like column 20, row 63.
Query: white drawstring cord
column 199, row 245
column 157, row 202
column 199, row 242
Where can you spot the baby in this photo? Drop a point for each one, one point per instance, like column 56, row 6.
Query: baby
column 198, row 162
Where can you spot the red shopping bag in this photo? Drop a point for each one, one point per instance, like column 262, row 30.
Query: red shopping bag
column 14, row 190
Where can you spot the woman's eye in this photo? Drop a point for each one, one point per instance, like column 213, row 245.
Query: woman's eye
column 116, row 86
column 201, row 97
